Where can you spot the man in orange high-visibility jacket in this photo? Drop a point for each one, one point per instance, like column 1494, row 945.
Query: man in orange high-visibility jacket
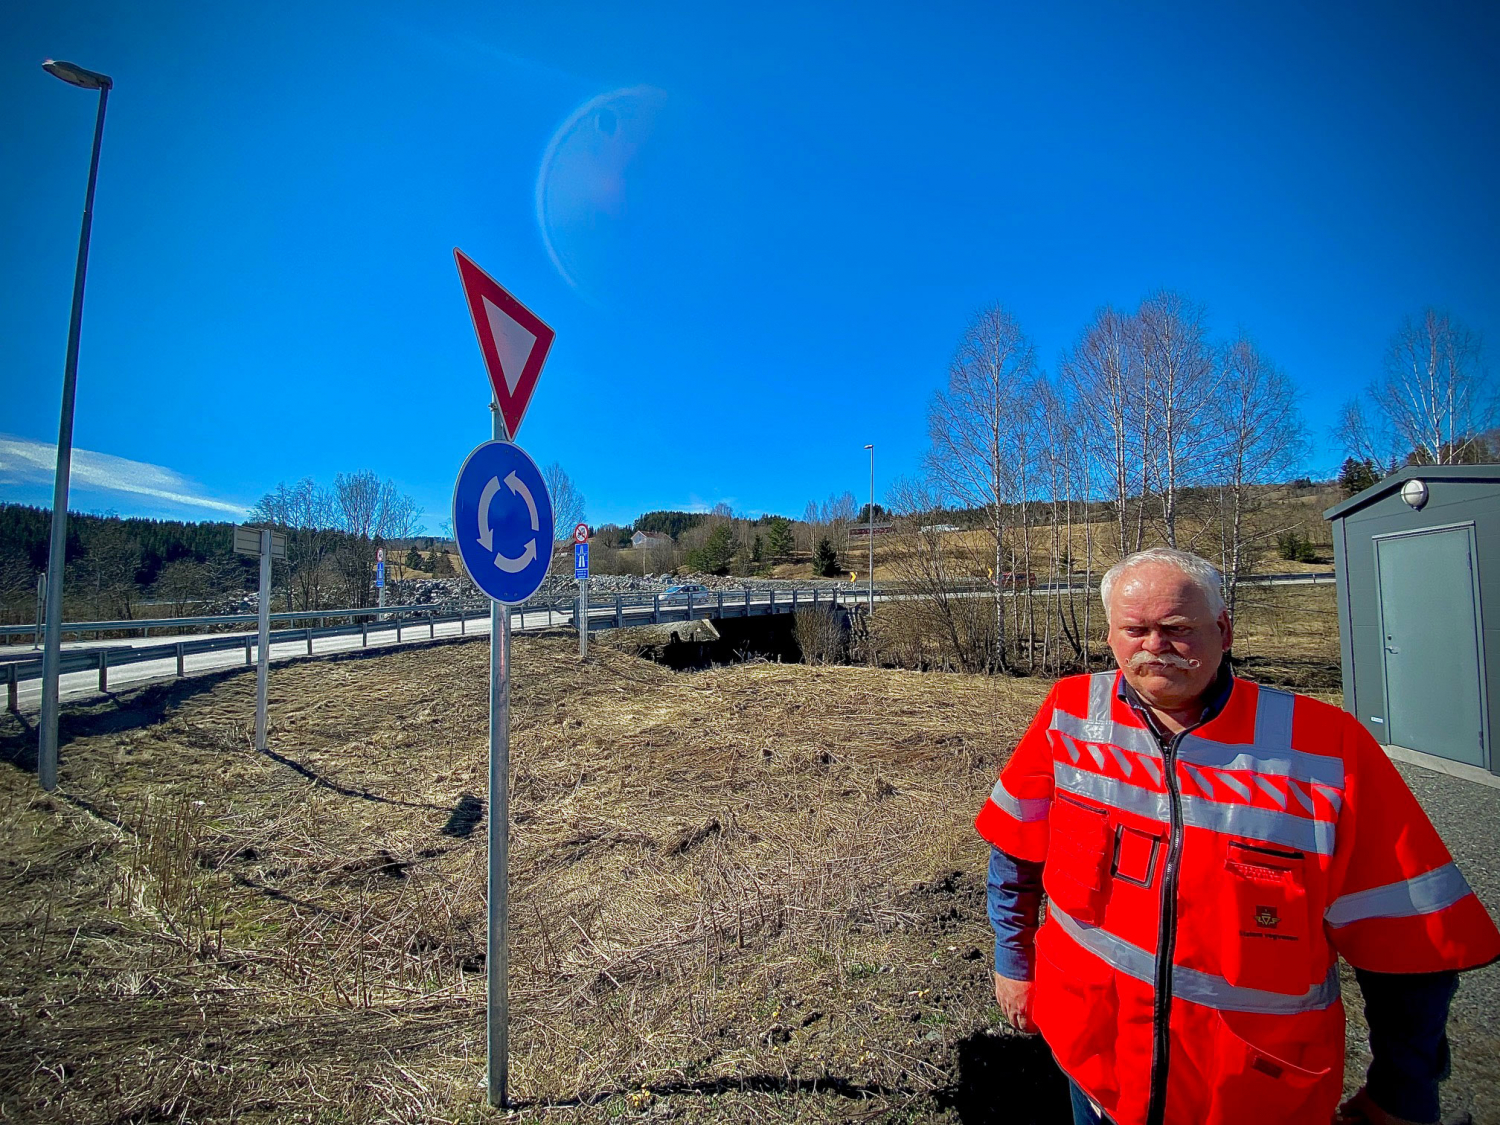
column 1208, row 849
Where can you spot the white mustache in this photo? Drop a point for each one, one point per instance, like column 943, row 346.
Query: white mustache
column 1170, row 659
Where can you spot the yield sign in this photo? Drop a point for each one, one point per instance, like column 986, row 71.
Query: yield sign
column 512, row 338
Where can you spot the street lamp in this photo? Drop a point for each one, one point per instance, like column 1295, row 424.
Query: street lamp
column 46, row 759
column 871, row 580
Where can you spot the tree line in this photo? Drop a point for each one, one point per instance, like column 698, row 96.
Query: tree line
column 1149, row 431
column 114, row 565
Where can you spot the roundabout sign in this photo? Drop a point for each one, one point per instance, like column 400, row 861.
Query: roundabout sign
column 502, row 520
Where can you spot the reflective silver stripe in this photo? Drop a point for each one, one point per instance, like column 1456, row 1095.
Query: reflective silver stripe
column 1273, row 719
column 1127, row 767
column 1428, row 893
column 1322, row 768
column 1110, row 791
column 1101, row 695
column 1135, row 739
column 1269, row 825
column 1270, row 790
column 1024, row 809
column 1194, row 985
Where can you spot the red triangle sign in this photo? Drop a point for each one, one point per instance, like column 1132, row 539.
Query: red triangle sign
column 513, row 340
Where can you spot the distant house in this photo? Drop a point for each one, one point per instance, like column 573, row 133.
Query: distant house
column 650, row 539
column 862, row 530
column 941, row 527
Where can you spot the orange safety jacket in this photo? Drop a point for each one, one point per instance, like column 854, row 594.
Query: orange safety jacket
column 1200, row 891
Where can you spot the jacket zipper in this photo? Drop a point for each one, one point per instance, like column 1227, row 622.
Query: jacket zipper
column 1166, row 941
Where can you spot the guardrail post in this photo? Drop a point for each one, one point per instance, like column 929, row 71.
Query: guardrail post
column 619, row 611
column 656, row 609
column 309, row 640
column 104, row 669
column 690, row 606
column 12, row 689
column 721, row 603
column 398, row 628
column 247, row 652
column 794, row 599
column 432, row 628
column 747, row 602
column 462, row 621
column 364, row 634
column 815, row 597
column 773, row 600
column 181, row 671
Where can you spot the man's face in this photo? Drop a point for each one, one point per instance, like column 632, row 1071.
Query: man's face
column 1164, row 636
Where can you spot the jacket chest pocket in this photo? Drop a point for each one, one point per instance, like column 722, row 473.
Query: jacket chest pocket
column 1079, row 848
column 1266, row 943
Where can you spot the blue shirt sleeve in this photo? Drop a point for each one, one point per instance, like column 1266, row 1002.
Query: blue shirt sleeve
column 1015, row 900
column 1408, row 1018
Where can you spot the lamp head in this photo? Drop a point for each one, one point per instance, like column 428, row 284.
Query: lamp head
column 75, row 75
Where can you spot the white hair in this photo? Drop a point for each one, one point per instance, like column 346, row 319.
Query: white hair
column 1203, row 574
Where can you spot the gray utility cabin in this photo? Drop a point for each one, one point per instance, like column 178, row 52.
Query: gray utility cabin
column 1418, row 560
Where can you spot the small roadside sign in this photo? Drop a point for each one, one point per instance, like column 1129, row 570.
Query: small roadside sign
column 512, row 338
column 247, row 542
column 580, row 560
column 581, row 533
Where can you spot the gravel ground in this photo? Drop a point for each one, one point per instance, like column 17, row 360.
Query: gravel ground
column 1466, row 814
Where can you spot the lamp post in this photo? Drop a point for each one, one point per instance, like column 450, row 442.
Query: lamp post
column 871, row 579
column 52, row 645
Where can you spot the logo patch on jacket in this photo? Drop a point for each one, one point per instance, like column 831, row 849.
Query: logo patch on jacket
column 1265, row 916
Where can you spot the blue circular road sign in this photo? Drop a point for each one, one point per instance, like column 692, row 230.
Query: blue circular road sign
column 502, row 520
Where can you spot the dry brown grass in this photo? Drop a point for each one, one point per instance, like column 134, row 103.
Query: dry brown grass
column 754, row 890
column 747, row 894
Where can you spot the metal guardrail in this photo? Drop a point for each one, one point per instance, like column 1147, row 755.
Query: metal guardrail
column 146, row 624
column 626, row 609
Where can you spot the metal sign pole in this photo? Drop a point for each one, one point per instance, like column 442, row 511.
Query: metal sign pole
column 41, row 608
column 583, row 618
column 497, row 951
column 263, row 635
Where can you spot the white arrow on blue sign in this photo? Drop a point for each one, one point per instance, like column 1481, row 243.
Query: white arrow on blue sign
column 580, row 560
column 502, row 519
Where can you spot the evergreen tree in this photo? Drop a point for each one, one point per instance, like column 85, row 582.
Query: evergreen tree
column 825, row 559
column 413, row 558
column 716, row 553
column 779, row 540
column 1356, row 475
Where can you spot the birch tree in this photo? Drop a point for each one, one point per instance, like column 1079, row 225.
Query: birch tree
column 1178, row 377
column 1254, row 414
column 1099, row 374
column 972, row 426
column 1433, row 394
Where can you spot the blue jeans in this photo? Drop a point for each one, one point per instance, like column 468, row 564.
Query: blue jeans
column 1083, row 1112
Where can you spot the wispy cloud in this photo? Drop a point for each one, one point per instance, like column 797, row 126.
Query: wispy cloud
column 23, row 461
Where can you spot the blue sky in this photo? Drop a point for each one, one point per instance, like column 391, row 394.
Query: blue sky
column 763, row 262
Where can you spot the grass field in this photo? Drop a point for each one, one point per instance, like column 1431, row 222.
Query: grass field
column 747, row 894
